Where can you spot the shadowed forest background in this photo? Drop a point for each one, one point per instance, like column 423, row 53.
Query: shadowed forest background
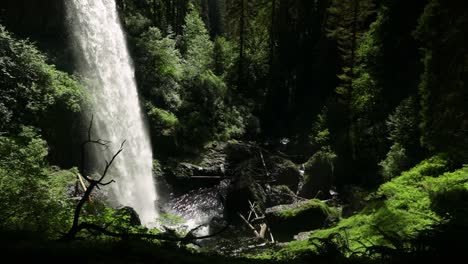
column 351, row 115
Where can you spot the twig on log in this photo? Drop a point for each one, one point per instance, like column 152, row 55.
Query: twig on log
column 271, row 235
column 83, row 186
column 249, row 225
column 258, row 219
column 252, row 207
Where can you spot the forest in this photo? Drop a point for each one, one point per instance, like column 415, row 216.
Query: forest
column 234, row 131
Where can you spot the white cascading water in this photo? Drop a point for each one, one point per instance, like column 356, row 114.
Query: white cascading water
column 101, row 51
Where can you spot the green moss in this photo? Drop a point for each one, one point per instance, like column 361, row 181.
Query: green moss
column 59, row 180
column 312, row 204
column 398, row 211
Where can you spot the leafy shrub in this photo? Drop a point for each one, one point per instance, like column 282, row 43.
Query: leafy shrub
column 32, row 90
column 402, row 123
column 33, row 198
column 223, row 56
column 163, row 122
column 159, row 69
column 196, row 46
column 395, row 162
column 403, row 131
column 136, row 23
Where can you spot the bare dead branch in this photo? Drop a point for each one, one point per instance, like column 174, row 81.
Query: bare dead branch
column 92, row 183
column 108, row 164
column 267, row 174
column 249, row 225
column 77, row 226
column 160, row 236
column 107, row 183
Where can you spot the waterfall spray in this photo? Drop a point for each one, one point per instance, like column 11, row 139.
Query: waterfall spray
column 103, row 59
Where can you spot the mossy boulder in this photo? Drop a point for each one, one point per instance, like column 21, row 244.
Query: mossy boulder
column 318, row 176
column 284, row 172
column 289, row 219
column 408, row 209
column 131, row 216
column 280, row 194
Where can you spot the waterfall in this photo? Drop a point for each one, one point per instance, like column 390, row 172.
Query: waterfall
column 103, row 60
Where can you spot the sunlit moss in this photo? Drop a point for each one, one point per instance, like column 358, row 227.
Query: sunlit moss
column 312, row 204
column 397, row 212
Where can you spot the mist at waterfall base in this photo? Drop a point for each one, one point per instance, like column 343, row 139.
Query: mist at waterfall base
column 104, row 63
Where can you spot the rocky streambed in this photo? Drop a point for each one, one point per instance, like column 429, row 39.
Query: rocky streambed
column 262, row 196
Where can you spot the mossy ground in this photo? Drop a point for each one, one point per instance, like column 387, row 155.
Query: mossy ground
column 310, row 205
column 399, row 211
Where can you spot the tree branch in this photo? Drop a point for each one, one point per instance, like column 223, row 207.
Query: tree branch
column 77, row 226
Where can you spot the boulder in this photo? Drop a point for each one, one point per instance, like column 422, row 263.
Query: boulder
column 303, row 235
column 280, row 194
column 289, row 219
column 240, row 192
column 134, row 218
column 203, row 170
column 239, row 151
column 284, row 172
column 318, row 176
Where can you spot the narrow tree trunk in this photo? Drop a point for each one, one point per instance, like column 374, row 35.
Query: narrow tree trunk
column 272, row 35
column 351, row 75
column 241, row 45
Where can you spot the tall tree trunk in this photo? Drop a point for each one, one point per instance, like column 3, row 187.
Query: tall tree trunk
column 272, row 35
column 241, row 45
column 155, row 11
column 352, row 63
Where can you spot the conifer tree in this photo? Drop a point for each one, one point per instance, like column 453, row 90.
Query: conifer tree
column 347, row 24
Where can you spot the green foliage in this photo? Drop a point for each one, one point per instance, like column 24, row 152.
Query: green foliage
column 366, row 89
column 160, row 69
column 398, row 211
column 395, row 162
column 205, row 115
column 223, row 56
column 320, row 134
column 31, row 88
column 323, row 160
column 346, row 26
column 114, row 220
column 184, row 96
column 320, row 169
column 170, row 220
column 136, row 23
column 196, row 46
column 403, row 132
column 402, row 123
column 442, row 87
column 163, row 122
column 365, row 94
column 33, row 198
